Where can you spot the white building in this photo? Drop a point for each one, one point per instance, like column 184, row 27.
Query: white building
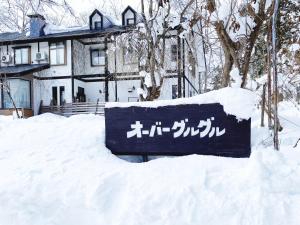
column 57, row 66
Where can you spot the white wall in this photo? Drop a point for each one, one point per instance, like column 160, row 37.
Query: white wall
column 92, row 91
column 123, row 90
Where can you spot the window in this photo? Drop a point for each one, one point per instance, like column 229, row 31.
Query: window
column 97, row 57
column 57, row 53
column 130, row 21
column 20, row 93
column 22, row 55
column 173, row 53
column 129, row 56
column 80, row 95
column 98, row 25
column 54, row 96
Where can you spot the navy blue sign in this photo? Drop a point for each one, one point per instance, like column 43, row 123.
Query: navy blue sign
column 176, row 130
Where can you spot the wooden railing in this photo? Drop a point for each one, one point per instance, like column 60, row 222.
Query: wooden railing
column 70, row 109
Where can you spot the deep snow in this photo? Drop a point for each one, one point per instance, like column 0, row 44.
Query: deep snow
column 56, row 171
column 236, row 101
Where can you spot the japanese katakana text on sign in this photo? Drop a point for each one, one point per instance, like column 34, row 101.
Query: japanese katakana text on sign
column 178, row 129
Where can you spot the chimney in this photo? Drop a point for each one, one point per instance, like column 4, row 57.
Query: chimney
column 37, row 23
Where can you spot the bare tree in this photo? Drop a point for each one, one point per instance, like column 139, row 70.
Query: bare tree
column 158, row 20
column 237, row 45
column 275, row 77
column 13, row 13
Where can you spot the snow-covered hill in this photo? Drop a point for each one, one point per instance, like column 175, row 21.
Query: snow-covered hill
column 56, row 171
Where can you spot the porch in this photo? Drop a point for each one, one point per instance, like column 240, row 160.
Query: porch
column 16, row 89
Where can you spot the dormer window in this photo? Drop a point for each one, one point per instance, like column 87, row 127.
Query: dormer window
column 96, row 20
column 129, row 17
column 130, row 21
column 98, row 25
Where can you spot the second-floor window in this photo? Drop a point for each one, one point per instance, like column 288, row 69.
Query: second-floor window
column 97, row 57
column 58, row 53
column 22, row 55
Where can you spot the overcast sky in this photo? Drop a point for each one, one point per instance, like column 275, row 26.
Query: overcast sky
column 85, row 5
column 112, row 8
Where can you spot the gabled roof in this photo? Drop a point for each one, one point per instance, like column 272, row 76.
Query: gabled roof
column 96, row 11
column 105, row 20
column 137, row 16
column 128, row 8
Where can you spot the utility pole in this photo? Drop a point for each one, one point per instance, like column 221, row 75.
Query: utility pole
column 275, row 80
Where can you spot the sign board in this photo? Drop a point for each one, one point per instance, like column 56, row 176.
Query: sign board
column 176, row 130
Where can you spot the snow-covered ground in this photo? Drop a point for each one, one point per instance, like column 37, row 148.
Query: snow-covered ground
column 56, row 171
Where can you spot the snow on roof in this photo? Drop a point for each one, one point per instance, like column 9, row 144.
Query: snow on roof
column 54, row 29
column 236, row 101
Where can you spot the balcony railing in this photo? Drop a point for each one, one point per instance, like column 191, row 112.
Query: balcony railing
column 70, row 109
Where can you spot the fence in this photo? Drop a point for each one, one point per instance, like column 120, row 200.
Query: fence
column 70, row 109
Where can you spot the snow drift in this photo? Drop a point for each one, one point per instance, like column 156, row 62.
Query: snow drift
column 236, row 101
column 56, row 170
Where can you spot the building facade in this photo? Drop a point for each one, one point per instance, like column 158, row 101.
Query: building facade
column 53, row 66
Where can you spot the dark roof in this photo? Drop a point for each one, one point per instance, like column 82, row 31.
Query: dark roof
column 21, row 38
column 10, row 36
column 21, row 70
column 36, row 15
column 128, row 8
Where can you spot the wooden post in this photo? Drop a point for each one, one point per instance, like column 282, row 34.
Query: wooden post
column 72, row 70
column 115, row 77
column 106, row 70
column 183, row 68
column 262, row 123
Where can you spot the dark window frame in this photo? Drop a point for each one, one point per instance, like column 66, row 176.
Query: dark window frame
column 28, row 58
column 130, row 19
column 91, row 56
column 96, row 25
column 65, row 53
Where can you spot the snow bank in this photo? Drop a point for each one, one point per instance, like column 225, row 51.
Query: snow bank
column 56, row 170
column 236, row 101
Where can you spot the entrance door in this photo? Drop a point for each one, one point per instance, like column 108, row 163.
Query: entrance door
column 58, row 95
